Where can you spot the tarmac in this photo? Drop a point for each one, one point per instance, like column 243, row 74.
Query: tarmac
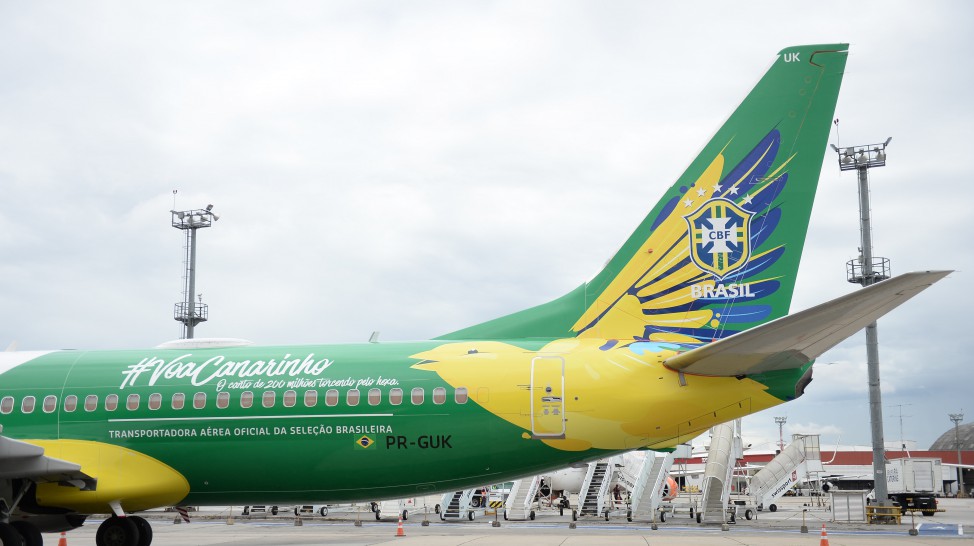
column 954, row 526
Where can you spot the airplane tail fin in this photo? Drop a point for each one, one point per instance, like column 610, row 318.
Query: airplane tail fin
column 720, row 251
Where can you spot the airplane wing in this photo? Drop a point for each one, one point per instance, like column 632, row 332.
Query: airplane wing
column 794, row 340
column 20, row 460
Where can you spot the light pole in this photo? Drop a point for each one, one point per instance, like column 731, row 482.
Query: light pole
column 867, row 271
column 957, row 418
column 189, row 312
column 781, row 435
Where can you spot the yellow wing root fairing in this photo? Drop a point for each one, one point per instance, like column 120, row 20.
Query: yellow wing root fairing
column 135, row 480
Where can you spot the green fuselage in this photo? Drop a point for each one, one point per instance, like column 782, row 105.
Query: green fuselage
column 280, row 454
column 323, row 446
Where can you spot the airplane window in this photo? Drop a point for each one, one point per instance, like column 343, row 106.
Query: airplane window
column 70, row 403
column 223, row 399
column 439, row 395
column 395, row 396
column 155, row 401
column 178, row 401
column 91, row 402
column 418, row 395
column 7, row 405
column 268, row 399
column 246, row 399
column 311, row 398
column 460, row 395
column 375, row 396
column 199, row 400
column 27, row 404
column 351, row 398
column 111, row 402
column 50, row 403
column 290, row 398
column 132, row 402
column 331, row 397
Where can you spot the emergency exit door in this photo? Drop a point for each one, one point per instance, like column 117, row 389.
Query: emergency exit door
column 548, row 397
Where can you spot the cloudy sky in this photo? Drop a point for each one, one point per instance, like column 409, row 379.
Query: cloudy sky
column 417, row 167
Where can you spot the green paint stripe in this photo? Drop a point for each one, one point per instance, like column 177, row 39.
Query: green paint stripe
column 246, row 418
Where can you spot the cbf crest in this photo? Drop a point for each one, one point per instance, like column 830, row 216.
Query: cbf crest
column 720, row 238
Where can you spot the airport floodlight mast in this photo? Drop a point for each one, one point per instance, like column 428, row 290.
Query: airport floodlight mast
column 190, row 312
column 781, row 434
column 957, row 418
column 865, row 271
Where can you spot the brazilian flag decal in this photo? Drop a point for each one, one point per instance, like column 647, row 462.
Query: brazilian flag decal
column 364, row 442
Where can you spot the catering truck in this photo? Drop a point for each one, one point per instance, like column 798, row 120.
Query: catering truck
column 915, row 483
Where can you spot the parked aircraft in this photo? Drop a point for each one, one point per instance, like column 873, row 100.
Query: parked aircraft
column 684, row 328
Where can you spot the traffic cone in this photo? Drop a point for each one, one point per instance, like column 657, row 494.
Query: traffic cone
column 63, row 541
column 825, row 537
column 399, row 531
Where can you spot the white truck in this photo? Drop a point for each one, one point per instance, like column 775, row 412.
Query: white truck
column 915, row 483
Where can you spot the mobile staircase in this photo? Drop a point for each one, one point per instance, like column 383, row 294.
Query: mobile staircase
column 646, row 494
column 456, row 505
column 725, row 449
column 595, row 486
column 521, row 498
column 800, row 461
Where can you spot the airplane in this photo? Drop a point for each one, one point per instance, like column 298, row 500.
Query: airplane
column 686, row 327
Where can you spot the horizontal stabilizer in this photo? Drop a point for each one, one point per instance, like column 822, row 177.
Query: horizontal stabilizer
column 795, row 340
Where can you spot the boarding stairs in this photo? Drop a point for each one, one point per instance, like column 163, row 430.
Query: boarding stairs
column 628, row 467
column 595, row 487
column 725, row 449
column 521, row 498
column 796, row 463
column 647, row 493
column 456, row 505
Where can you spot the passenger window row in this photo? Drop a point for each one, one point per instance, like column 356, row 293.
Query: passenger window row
column 268, row 399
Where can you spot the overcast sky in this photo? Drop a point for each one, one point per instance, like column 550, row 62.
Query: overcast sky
column 417, row 167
